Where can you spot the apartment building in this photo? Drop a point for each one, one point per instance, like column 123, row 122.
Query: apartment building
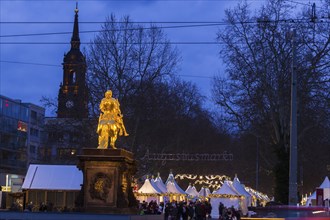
column 21, row 136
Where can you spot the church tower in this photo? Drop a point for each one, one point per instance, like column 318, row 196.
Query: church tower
column 73, row 92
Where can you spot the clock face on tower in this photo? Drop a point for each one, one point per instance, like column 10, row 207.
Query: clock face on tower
column 69, row 104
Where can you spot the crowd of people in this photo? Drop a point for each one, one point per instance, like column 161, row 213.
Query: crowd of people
column 151, row 208
column 198, row 210
column 228, row 213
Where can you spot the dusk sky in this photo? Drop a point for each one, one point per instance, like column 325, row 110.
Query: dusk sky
column 31, row 65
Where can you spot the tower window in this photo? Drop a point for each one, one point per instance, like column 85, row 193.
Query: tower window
column 72, row 77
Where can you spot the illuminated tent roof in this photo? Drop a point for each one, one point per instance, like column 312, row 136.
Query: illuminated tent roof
column 191, row 191
column 257, row 194
column 159, row 183
column 310, row 198
column 240, row 188
column 53, row 177
column 326, row 188
column 326, row 183
column 228, row 196
column 172, row 186
column 204, row 192
column 149, row 188
column 326, row 191
column 226, row 189
column 170, row 178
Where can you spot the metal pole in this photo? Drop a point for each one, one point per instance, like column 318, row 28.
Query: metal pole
column 293, row 200
column 257, row 165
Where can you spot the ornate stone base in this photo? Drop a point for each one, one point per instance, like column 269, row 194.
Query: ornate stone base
column 107, row 180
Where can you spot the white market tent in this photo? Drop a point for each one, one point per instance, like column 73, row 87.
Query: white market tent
column 192, row 192
column 326, row 188
column 325, row 185
column 56, row 184
column 148, row 192
column 257, row 196
column 160, row 184
column 227, row 195
column 241, row 190
column 53, row 177
column 204, row 192
column 174, row 190
column 310, row 199
column 149, row 188
column 170, row 178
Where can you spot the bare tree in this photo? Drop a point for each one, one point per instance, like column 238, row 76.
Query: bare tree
column 255, row 94
column 128, row 58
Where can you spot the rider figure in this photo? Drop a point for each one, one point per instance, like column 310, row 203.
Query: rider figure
column 110, row 121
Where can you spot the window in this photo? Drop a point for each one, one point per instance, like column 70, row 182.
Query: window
column 45, row 152
column 34, row 132
column 22, row 126
column 32, row 149
column 34, row 115
column 72, row 77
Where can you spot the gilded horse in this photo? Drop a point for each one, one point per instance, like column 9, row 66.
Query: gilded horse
column 110, row 122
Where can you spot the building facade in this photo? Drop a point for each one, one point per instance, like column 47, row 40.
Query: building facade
column 66, row 137
column 21, row 137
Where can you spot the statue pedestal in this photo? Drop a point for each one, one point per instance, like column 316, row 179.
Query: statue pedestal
column 107, row 180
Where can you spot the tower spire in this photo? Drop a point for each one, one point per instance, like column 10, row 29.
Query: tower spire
column 75, row 40
column 73, row 92
column 76, row 10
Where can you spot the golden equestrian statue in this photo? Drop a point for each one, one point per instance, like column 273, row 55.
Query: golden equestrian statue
column 110, row 122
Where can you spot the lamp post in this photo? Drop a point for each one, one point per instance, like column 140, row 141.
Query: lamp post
column 293, row 195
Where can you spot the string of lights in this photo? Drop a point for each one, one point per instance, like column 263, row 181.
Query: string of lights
column 210, row 181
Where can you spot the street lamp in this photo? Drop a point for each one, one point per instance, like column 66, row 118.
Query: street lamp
column 293, row 195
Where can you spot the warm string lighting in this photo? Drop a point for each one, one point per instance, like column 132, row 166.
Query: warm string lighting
column 147, row 194
column 185, row 176
column 207, row 181
column 225, row 196
column 256, row 194
column 210, row 181
column 208, row 177
column 209, row 184
column 158, row 194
